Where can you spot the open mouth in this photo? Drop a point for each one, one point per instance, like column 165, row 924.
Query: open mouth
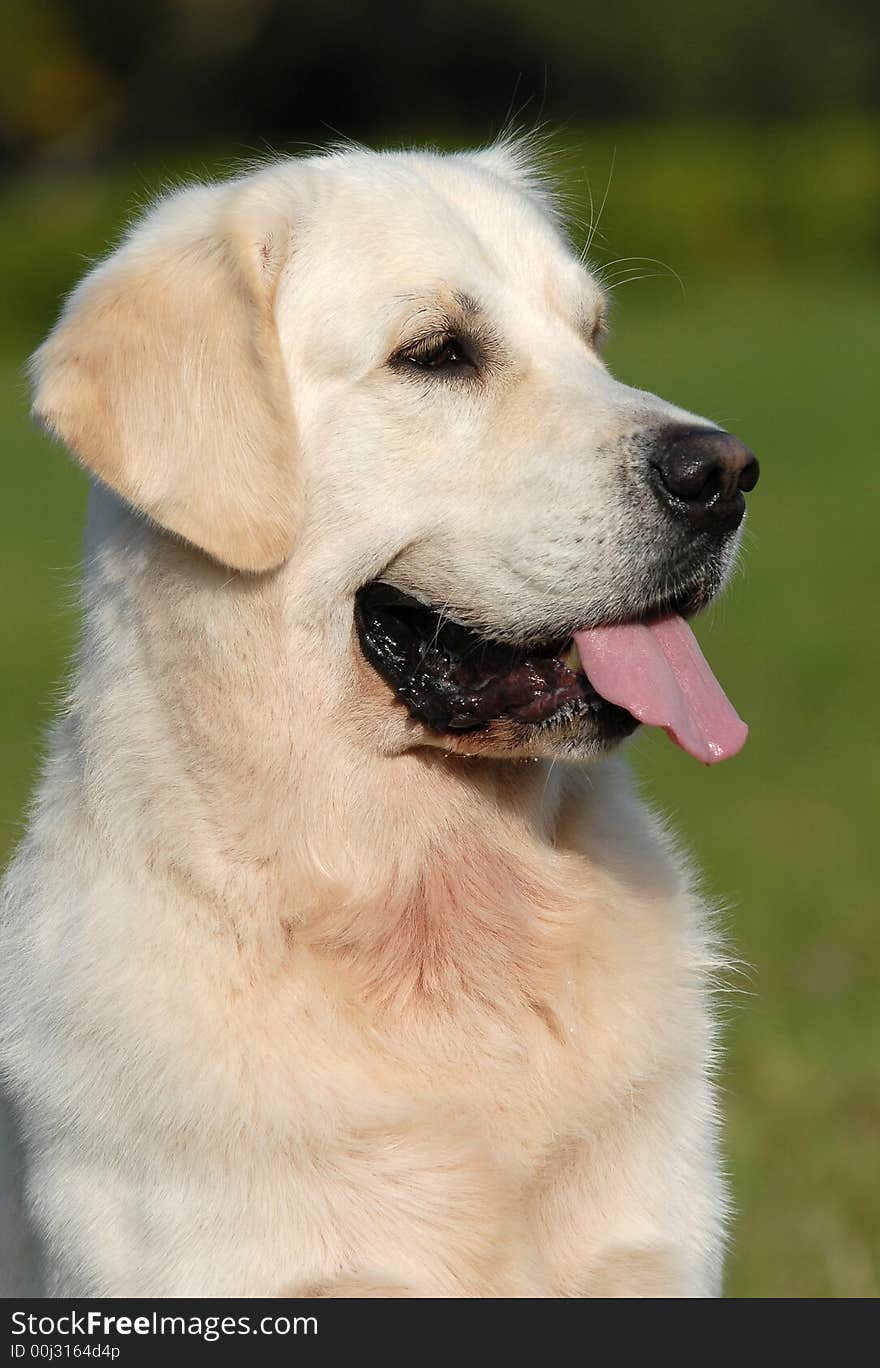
column 456, row 681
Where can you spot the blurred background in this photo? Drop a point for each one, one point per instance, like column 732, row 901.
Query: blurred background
column 736, row 148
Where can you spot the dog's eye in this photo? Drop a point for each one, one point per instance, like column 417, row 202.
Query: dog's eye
column 442, row 353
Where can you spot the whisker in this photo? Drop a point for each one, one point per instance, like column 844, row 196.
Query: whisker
column 602, row 271
column 630, row 280
column 429, row 645
column 594, row 227
column 547, row 780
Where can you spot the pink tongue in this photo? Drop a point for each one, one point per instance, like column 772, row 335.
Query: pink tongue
column 659, row 674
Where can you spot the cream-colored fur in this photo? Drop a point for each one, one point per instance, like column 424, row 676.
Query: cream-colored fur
column 295, row 998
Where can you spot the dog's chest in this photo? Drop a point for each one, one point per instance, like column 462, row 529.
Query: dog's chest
column 423, row 1068
column 514, row 1006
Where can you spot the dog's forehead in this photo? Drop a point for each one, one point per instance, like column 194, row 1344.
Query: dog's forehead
column 405, row 222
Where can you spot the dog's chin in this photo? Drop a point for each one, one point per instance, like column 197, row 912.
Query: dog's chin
column 473, row 694
column 573, row 732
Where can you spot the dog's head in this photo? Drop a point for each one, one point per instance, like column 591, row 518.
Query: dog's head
column 380, row 376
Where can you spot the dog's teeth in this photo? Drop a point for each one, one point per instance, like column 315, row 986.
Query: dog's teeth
column 571, row 658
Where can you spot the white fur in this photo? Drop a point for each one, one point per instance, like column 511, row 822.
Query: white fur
column 294, row 997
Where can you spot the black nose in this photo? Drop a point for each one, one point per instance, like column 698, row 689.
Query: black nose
column 701, row 474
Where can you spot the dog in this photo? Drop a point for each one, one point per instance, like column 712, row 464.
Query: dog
column 340, row 958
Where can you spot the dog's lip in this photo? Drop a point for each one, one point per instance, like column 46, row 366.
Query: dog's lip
column 686, row 603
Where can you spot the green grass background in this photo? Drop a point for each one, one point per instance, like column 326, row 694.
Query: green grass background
column 775, row 233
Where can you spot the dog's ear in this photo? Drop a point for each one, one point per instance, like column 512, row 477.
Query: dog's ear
column 164, row 375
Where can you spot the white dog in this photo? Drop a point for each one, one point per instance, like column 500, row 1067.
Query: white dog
column 339, row 958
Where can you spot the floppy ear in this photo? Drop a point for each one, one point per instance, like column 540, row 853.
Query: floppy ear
column 164, row 375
